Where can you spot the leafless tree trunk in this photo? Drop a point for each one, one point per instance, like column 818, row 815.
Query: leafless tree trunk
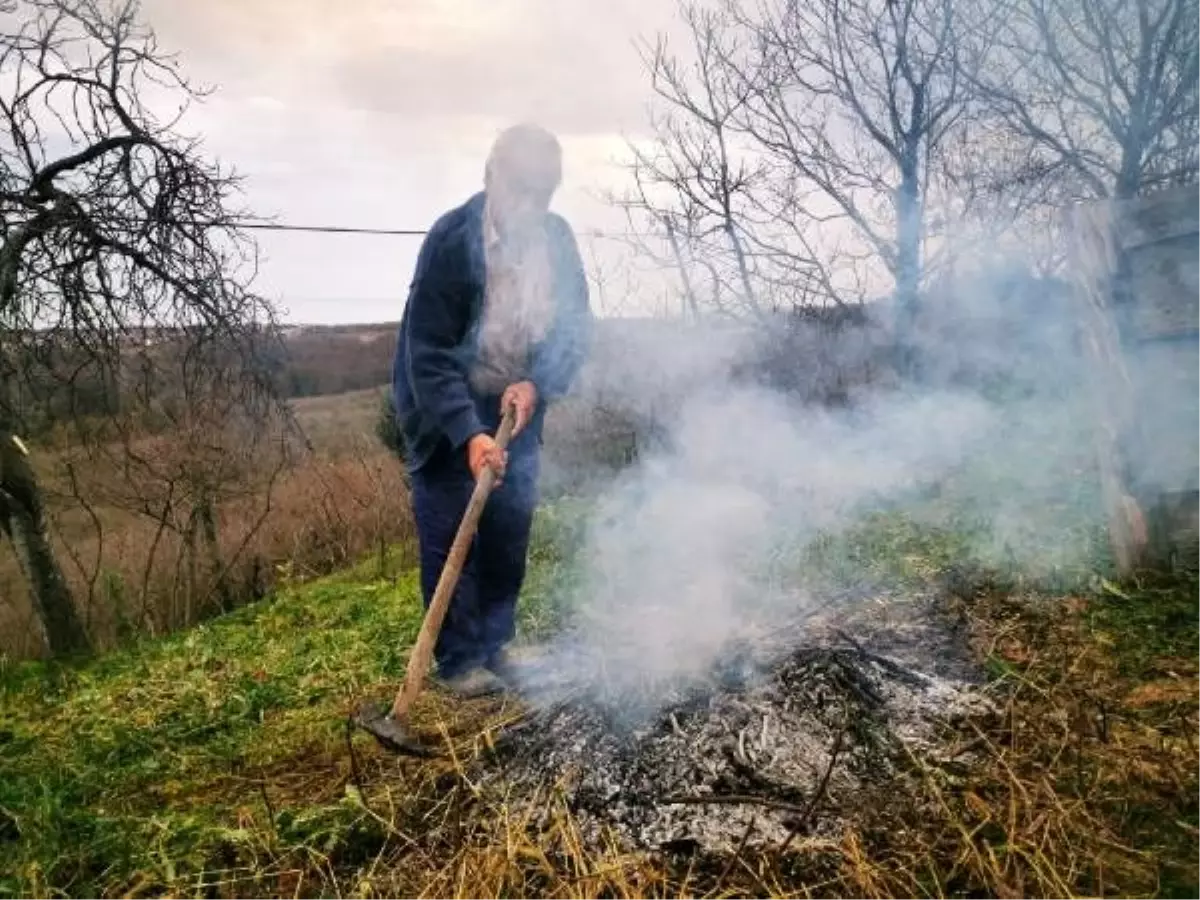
column 685, row 275
column 212, row 548
column 23, row 522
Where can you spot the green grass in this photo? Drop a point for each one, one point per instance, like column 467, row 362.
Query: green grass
column 133, row 768
column 130, row 767
column 1150, row 618
column 214, row 761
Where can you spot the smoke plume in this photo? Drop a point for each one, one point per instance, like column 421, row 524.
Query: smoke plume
column 681, row 553
column 697, row 544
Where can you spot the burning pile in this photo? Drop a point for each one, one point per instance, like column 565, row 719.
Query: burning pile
column 780, row 739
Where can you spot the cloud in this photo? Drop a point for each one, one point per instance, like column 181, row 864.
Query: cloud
column 568, row 63
column 545, row 65
column 380, row 113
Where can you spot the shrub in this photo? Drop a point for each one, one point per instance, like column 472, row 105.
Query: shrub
column 128, row 576
column 387, row 429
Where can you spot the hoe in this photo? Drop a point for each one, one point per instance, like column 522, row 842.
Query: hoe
column 391, row 726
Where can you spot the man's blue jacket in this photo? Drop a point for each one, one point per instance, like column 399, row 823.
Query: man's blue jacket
column 439, row 335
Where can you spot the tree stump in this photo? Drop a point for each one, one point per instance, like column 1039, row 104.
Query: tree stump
column 1137, row 271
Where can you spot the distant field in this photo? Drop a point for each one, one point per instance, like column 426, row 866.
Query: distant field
column 332, row 360
column 345, row 499
column 337, row 423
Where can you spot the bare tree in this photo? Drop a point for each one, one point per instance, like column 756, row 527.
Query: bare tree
column 693, row 182
column 1103, row 99
column 809, row 137
column 1103, row 92
column 23, row 522
column 857, row 98
column 187, row 443
column 709, row 193
column 119, row 248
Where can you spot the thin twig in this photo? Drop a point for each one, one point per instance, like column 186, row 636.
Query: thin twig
column 736, row 799
column 266, row 799
column 355, row 772
column 737, row 854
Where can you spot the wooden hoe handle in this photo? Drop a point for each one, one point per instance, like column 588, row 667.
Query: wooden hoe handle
column 422, row 652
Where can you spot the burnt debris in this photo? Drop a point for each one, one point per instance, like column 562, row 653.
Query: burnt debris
column 783, row 738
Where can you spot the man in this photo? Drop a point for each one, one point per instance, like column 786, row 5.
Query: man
column 497, row 316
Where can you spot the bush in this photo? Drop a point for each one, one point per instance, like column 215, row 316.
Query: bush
column 387, row 429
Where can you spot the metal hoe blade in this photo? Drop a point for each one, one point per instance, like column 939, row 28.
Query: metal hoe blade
column 392, row 734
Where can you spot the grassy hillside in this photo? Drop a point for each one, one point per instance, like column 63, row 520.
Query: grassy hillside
column 334, row 359
column 166, row 765
column 217, row 761
column 338, row 423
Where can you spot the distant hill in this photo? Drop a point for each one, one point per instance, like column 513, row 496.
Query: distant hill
column 628, row 352
column 642, row 354
column 334, row 359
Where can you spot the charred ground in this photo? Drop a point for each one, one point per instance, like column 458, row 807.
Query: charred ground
column 793, row 730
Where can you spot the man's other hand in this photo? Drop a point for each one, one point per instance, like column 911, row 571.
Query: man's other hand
column 522, row 396
column 482, row 450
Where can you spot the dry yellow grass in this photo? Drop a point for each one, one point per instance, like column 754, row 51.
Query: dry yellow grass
column 1085, row 785
column 344, row 498
column 340, row 423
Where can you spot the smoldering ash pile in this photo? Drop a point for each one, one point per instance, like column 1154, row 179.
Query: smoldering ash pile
column 785, row 734
column 701, row 698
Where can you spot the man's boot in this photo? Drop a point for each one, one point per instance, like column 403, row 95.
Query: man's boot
column 516, row 667
column 473, row 682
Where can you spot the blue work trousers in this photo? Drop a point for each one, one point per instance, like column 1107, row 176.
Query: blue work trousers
column 482, row 614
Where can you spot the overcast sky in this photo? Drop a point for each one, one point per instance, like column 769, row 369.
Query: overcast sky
column 380, row 112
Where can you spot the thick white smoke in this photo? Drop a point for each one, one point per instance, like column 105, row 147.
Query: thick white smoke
column 681, row 548
column 677, row 560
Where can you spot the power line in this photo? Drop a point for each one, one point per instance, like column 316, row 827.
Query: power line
column 329, row 229
column 401, row 232
column 352, row 229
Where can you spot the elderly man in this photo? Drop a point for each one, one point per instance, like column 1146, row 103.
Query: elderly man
column 497, row 316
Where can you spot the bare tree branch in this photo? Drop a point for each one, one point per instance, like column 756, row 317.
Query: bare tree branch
column 125, row 302
column 1105, row 89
